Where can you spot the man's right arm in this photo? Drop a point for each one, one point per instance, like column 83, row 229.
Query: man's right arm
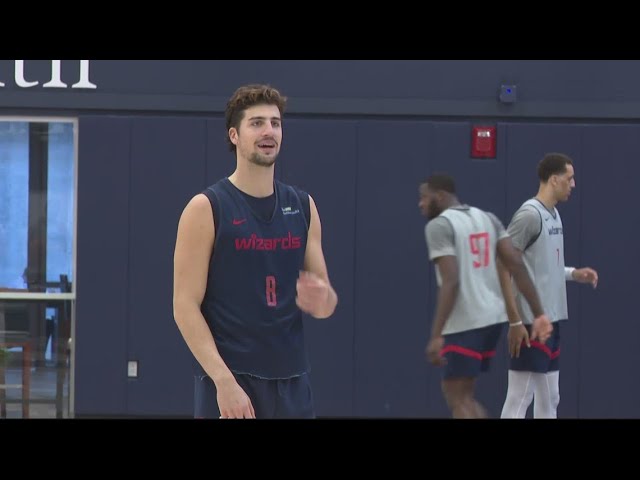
column 517, row 334
column 507, row 292
column 194, row 246
column 441, row 246
column 524, row 228
column 504, row 276
column 512, row 259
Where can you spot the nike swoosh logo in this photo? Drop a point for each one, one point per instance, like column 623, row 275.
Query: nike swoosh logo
column 238, row 222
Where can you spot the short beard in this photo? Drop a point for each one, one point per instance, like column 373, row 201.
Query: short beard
column 433, row 213
column 258, row 159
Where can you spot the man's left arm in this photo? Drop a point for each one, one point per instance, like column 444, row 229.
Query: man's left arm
column 581, row 275
column 315, row 296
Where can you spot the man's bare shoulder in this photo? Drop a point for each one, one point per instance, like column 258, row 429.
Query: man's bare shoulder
column 198, row 204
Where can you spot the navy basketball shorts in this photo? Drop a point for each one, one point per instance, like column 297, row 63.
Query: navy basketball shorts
column 541, row 357
column 281, row 398
column 470, row 352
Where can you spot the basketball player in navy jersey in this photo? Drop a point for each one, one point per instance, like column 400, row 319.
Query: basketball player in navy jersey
column 248, row 261
column 537, row 231
column 464, row 243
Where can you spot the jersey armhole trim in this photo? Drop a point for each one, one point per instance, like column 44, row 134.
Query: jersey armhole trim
column 216, row 210
column 306, row 205
column 535, row 238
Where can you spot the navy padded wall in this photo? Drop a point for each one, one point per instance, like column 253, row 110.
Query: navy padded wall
column 167, row 169
column 320, row 158
column 102, row 276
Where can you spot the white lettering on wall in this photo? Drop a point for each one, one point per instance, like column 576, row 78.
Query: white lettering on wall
column 56, row 76
column 55, row 81
column 20, row 81
column 84, row 76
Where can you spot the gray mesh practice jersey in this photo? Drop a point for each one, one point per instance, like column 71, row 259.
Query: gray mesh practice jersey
column 538, row 233
column 471, row 235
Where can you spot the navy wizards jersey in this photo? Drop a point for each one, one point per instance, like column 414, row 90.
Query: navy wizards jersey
column 250, row 300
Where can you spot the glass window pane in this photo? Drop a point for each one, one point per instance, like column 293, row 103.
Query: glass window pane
column 37, row 228
column 60, row 202
column 14, row 202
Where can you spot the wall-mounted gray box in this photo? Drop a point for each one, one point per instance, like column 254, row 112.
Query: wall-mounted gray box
column 508, row 93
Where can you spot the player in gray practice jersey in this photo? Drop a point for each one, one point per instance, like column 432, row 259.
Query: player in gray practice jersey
column 536, row 230
column 463, row 243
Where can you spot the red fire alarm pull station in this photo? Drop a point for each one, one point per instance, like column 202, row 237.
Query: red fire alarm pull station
column 483, row 142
